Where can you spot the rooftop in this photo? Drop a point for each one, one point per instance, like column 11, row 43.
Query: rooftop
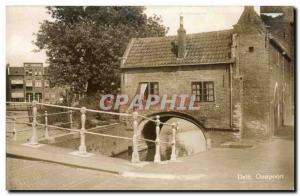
column 202, row 48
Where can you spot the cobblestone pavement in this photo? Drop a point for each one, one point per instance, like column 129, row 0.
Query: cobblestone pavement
column 220, row 166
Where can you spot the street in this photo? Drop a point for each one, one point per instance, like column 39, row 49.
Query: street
column 241, row 169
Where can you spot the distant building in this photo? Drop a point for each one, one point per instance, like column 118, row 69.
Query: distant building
column 29, row 83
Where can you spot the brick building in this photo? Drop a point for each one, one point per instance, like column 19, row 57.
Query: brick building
column 30, row 83
column 243, row 77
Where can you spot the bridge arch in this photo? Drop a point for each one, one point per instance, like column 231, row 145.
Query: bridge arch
column 190, row 137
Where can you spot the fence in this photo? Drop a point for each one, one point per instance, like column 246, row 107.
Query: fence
column 83, row 131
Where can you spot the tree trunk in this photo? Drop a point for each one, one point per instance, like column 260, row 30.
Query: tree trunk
column 92, row 88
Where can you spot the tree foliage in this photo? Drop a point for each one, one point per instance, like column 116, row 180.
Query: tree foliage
column 84, row 44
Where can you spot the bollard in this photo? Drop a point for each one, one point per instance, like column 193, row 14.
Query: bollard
column 14, row 128
column 82, row 147
column 135, row 153
column 71, row 119
column 46, row 126
column 157, row 150
column 34, row 138
column 173, row 153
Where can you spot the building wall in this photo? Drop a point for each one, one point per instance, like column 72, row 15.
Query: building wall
column 36, row 73
column 177, row 80
column 16, row 88
column 281, row 88
column 254, row 68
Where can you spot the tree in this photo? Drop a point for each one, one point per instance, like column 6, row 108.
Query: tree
column 84, row 44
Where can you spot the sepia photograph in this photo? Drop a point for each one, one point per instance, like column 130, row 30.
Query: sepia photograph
column 150, row 98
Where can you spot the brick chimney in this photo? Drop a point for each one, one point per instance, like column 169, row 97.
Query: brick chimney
column 181, row 38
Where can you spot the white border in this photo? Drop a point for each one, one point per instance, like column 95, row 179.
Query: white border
column 103, row 2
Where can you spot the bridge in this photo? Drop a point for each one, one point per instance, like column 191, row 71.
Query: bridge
column 136, row 119
column 202, row 169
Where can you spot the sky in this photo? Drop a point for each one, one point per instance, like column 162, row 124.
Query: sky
column 22, row 22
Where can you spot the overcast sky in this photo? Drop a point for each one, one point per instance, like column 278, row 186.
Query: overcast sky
column 22, row 22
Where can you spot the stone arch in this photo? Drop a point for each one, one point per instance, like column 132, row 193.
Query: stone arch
column 191, row 129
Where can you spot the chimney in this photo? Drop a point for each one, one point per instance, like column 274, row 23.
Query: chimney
column 181, row 38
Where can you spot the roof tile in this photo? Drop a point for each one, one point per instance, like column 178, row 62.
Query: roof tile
column 208, row 47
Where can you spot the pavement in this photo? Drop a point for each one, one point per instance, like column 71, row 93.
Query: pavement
column 219, row 168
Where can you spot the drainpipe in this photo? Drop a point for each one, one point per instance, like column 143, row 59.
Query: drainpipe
column 230, row 78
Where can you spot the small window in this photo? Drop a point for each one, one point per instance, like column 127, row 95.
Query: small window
column 29, row 97
column 38, row 97
column 46, row 83
column 153, row 88
column 28, row 72
column 38, row 83
column 148, row 88
column 204, row 91
column 251, row 49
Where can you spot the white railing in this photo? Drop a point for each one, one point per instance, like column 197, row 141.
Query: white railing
column 83, row 131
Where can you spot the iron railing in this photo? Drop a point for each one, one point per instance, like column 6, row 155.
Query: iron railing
column 83, row 131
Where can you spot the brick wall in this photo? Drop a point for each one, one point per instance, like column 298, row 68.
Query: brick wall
column 254, row 68
column 177, row 80
column 281, row 74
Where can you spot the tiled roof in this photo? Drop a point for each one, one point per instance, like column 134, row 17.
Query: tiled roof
column 16, row 70
column 202, row 48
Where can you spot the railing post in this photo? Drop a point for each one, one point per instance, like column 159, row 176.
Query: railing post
column 173, row 154
column 14, row 128
column 157, row 144
column 46, row 126
column 135, row 153
column 34, row 138
column 82, row 147
column 71, row 119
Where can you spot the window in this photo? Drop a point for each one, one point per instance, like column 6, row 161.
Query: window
column 29, row 97
column 46, row 83
column 17, row 99
column 251, row 49
column 38, row 83
column 17, row 81
column 204, row 91
column 28, row 85
column 38, row 97
column 17, row 86
column 148, row 88
column 153, row 88
column 28, row 72
column 17, row 95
